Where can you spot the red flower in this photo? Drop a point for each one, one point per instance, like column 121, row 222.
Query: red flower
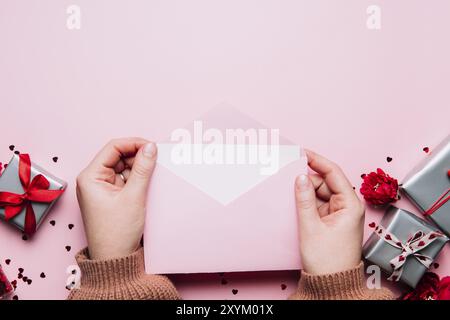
column 430, row 288
column 444, row 289
column 427, row 288
column 378, row 188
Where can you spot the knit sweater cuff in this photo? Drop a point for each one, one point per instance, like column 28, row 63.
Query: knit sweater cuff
column 110, row 273
column 346, row 285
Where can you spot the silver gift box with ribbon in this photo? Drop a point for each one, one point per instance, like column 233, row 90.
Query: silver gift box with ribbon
column 28, row 192
column 428, row 186
column 403, row 246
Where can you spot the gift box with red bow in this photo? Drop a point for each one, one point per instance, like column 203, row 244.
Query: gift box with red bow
column 403, row 245
column 5, row 286
column 27, row 193
column 428, row 186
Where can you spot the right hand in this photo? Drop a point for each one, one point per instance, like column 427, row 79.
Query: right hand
column 331, row 219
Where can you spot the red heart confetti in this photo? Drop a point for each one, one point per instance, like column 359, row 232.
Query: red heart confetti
column 372, row 224
column 235, row 291
column 426, row 149
column 283, row 286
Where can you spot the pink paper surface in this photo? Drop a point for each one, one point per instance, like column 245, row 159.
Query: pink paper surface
column 143, row 68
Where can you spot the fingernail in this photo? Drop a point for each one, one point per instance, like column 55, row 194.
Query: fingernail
column 302, row 181
column 149, row 149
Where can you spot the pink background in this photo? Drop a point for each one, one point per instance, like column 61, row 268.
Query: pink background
column 143, row 68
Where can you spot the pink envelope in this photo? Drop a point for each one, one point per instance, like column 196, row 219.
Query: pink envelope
column 219, row 213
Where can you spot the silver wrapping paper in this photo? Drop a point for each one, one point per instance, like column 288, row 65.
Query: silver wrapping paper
column 428, row 181
column 9, row 181
column 403, row 225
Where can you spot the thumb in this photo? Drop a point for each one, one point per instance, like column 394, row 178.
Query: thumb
column 142, row 170
column 305, row 200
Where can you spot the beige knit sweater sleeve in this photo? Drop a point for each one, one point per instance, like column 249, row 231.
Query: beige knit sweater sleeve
column 120, row 279
column 125, row 279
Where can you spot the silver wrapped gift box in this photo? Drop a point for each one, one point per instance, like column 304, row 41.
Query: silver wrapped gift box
column 10, row 182
column 403, row 225
column 429, row 182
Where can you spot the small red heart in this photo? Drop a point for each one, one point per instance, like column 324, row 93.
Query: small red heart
column 422, row 258
column 399, row 244
column 372, row 225
column 380, row 231
column 426, row 149
column 421, row 243
column 401, row 258
column 387, row 237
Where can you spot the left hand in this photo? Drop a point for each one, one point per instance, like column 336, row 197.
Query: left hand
column 113, row 208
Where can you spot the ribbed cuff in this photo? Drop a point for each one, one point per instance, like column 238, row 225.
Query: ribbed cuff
column 346, row 285
column 110, row 273
column 341, row 285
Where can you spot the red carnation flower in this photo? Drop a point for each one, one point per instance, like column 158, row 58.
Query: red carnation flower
column 427, row 288
column 430, row 288
column 378, row 188
column 444, row 289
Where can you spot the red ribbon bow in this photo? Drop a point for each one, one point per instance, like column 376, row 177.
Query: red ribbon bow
column 35, row 190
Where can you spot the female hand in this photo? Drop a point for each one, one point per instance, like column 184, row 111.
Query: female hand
column 112, row 194
column 331, row 219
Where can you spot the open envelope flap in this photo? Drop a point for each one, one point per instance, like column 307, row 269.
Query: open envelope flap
column 226, row 182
